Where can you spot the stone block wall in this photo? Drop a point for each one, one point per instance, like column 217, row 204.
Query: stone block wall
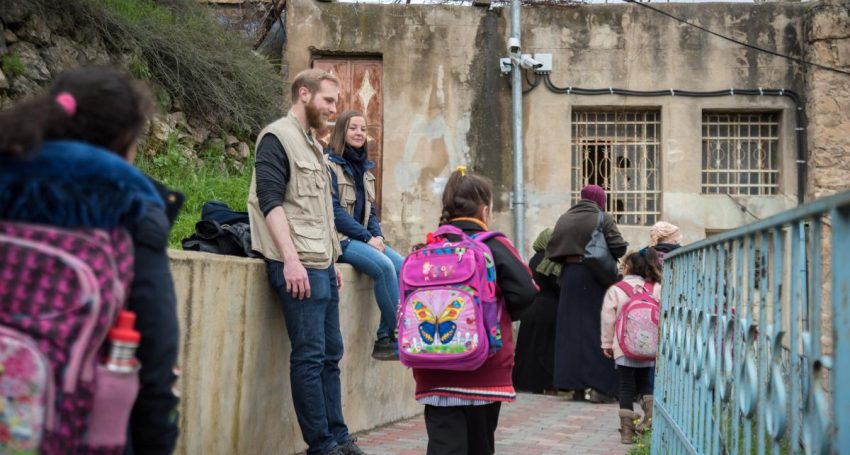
column 828, row 111
column 828, row 98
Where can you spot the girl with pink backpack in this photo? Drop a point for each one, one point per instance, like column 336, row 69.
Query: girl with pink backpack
column 629, row 328
column 462, row 405
column 84, row 235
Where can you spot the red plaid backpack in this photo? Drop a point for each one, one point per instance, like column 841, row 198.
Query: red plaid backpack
column 60, row 292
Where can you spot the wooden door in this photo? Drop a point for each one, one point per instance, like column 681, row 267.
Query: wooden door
column 360, row 89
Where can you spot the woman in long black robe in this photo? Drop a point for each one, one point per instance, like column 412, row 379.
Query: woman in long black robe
column 534, row 364
column 579, row 362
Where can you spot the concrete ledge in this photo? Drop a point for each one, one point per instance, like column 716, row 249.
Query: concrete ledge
column 234, row 355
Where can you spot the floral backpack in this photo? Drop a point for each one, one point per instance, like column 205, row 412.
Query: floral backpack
column 636, row 326
column 450, row 308
column 60, row 292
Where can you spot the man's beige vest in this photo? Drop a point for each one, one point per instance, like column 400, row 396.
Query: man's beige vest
column 307, row 201
column 348, row 193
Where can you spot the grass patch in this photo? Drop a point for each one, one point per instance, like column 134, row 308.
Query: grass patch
column 643, row 444
column 12, row 65
column 214, row 177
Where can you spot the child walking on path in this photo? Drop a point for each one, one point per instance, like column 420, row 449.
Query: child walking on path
column 462, row 407
column 641, row 281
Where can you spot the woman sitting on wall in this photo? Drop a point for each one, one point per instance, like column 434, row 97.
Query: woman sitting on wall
column 358, row 226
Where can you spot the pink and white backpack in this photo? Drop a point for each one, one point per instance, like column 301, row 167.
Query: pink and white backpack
column 60, row 292
column 636, row 326
column 450, row 308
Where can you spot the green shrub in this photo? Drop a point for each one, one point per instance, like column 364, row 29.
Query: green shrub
column 213, row 178
column 12, row 65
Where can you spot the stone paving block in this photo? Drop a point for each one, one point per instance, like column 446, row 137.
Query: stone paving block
column 534, row 425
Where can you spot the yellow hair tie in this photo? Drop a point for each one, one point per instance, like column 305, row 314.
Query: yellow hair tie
column 462, row 170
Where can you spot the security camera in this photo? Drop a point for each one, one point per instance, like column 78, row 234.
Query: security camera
column 529, row 63
column 513, row 45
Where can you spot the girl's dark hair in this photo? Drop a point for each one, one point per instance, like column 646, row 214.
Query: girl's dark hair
column 111, row 111
column 340, row 129
column 644, row 263
column 464, row 196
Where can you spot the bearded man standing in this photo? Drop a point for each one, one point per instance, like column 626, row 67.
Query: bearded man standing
column 292, row 226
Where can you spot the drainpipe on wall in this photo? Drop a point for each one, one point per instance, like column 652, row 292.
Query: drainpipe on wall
column 518, row 201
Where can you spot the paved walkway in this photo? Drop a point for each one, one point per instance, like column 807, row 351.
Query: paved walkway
column 533, row 425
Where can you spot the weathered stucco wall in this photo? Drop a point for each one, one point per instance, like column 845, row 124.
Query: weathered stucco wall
column 236, row 397
column 437, row 82
column 446, row 103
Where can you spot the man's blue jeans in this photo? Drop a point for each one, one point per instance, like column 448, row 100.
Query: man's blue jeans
column 383, row 268
column 313, row 326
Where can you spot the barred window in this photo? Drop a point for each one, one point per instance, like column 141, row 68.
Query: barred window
column 740, row 153
column 619, row 151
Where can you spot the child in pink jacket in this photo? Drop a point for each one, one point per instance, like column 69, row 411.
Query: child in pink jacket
column 640, row 268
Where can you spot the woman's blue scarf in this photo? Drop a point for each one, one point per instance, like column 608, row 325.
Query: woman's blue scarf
column 72, row 185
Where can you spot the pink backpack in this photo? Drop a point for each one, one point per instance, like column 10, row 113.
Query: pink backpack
column 450, row 309
column 636, row 326
column 60, row 292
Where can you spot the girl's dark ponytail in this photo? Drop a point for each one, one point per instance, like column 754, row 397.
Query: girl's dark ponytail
column 23, row 127
column 445, row 217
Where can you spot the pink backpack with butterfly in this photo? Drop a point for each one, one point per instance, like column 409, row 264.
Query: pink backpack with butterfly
column 450, row 308
column 636, row 327
column 60, row 292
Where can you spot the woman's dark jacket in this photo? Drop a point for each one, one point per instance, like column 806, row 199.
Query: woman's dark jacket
column 153, row 422
column 76, row 185
column 574, row 228
column 515, row 283
column 535, row 346
column 355, row 164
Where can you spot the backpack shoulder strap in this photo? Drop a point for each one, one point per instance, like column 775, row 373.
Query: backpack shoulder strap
column 487, row 235
column 449, row 229
column 627, row 288
column 649, row 287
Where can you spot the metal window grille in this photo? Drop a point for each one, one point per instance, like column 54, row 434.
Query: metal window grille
column 740, row 153
column 619, row 151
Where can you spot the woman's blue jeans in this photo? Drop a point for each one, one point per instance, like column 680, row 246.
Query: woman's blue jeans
column 384, row 269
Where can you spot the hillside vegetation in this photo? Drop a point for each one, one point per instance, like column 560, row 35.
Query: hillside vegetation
column 213, row 92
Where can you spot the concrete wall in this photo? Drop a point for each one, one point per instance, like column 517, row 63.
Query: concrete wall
column 236, row 397
column 446, row 103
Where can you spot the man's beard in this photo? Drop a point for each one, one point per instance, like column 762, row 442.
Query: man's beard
column 314, row 116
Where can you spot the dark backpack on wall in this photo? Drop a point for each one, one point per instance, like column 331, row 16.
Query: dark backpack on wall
column 221, row 230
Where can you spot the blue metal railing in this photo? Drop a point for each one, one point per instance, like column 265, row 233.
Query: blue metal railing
column 754, row 354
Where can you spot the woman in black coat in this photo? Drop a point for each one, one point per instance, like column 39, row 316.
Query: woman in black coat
column 579, row 362
column 534, row 364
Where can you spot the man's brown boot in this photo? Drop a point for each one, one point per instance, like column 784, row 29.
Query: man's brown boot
column 646, row 421
column 627, row 426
